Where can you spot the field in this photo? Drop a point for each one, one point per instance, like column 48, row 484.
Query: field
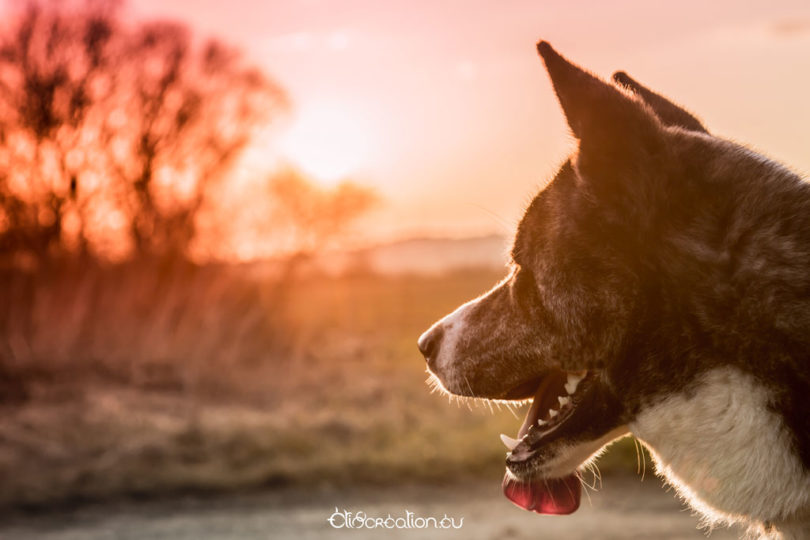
column 208, row 393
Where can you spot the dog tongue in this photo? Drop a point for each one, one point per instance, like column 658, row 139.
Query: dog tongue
column 545, row 496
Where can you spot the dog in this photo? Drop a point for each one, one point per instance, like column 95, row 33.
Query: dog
column 659, row 286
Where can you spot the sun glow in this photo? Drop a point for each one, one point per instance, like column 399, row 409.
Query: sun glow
column 329, row 142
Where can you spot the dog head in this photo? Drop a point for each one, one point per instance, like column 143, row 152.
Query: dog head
column 559, row 327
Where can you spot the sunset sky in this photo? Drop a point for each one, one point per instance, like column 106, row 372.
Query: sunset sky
column 444, row 107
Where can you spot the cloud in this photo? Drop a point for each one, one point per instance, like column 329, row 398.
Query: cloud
column 466, row 70
column 304, row 41
column 791, row 27
column 293, row 42
column 339, row 40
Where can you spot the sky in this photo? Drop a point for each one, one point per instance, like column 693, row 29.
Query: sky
column 445, row 109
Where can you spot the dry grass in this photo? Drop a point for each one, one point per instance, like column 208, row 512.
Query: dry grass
column 137, row 382
column 145, row 324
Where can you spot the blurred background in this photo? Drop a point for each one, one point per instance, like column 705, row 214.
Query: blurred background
column 223, row 225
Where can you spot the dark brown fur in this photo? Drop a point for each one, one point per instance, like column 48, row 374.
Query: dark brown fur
column 657, row 252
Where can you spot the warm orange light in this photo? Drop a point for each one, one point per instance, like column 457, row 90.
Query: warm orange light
column 328, row 141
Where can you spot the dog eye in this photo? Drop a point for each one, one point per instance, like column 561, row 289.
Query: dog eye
column 524, row 288
column 524, row 275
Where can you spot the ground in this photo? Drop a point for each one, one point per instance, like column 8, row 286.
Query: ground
column 626, row 507
column 217, row 433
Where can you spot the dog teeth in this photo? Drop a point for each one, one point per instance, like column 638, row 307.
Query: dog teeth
column 573, row 382
column 552, row 413
column 541, row 423
column 563, row 400
column 509, row 442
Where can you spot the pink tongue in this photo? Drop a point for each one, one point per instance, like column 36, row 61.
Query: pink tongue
column 550, row 496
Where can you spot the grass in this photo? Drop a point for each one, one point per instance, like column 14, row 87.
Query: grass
column 217, row 389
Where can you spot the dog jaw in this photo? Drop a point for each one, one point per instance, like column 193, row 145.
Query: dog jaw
column 556, row 445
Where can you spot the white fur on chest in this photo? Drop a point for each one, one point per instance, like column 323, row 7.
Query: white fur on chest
column 726, row 452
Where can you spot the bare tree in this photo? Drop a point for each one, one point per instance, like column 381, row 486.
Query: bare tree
column 119, row 140
column 111, row 134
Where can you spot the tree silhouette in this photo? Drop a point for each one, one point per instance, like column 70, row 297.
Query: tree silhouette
column 111, row 134
column 118, row 141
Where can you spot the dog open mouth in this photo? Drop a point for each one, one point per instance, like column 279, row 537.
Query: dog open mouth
column 557, row 398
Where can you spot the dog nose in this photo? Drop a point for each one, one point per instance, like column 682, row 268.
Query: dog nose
column 429, row 342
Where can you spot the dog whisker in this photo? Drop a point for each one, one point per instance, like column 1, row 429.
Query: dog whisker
column 585, row 485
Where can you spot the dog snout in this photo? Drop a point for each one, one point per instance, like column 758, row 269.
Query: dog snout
column 430, row 342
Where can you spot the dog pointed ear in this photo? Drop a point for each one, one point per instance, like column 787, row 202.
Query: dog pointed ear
column 609, row 123
column 622, row 144
column 668, row 112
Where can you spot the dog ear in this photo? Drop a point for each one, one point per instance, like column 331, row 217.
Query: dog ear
column 596, row 111
column 669, row 113
column 617, row 131
column 623, row 146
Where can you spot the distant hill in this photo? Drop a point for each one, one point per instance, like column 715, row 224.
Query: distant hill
column 422, row 255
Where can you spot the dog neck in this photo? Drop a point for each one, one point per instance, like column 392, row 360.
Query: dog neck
column 756, row 475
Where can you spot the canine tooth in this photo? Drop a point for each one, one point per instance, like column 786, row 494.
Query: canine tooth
column 509, row 442
column 563, row 400
column 552, row 413
column 541, row 423
column 573, row 382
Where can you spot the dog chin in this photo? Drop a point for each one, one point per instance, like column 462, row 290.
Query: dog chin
column 561, row 459
column 556, row 461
